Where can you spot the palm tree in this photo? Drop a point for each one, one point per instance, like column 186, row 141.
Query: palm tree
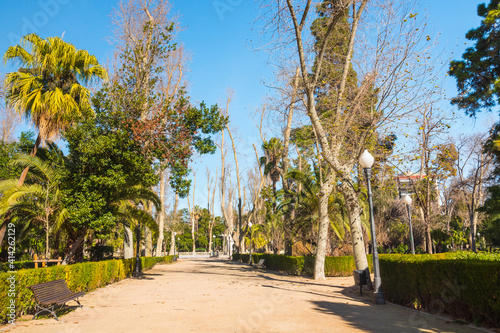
column 35, row 202
column 271, row 163
column 130, row 208
column 47, row 89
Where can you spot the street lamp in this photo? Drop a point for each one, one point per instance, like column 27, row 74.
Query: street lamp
column 407, row 200
column 137, row 268
column 366, row 160
column 250, row 227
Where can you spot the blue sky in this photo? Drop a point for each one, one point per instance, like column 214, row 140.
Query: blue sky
column 217, row 34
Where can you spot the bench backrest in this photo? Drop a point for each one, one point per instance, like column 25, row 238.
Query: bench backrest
column 48, row 291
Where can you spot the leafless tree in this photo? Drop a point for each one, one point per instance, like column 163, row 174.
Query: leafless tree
column 9, row 119
column 390, row 84
column 139, row 27
column 473, row 169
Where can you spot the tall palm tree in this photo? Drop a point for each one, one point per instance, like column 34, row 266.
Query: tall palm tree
column 47, row 89
column 271, row 163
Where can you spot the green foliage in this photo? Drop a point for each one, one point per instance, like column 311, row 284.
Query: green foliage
column 478, row 74
column 79, row 277
column 47, row 90
column 105, row 167
column 464, row 285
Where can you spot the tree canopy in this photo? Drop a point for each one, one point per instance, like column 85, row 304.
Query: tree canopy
column 478, row 74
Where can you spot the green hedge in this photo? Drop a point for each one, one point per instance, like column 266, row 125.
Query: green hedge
column 79, row 277
column 464, row 288
column 334, row 266
column 5, row 266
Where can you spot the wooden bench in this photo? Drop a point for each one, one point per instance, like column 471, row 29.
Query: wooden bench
column 260, row 264
column 50, row 295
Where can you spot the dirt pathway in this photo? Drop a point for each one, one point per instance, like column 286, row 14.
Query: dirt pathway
column 223, row 296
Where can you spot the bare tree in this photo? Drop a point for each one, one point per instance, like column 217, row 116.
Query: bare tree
column 473, row 169
column 348, row 116
column 143, row 31
column 9, row 119
column 437, row 158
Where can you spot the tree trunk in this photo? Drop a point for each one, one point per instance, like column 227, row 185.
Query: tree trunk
column 210, row 241
column 324, row 223
column 161, row 217
column 76, row 245
column 128, row 244
column 354, row 214
column 473, row 226
column 174, row 219
column 428, row 238
column 47, row 247
column 148, row 242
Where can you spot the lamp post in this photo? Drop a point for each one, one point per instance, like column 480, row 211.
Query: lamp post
column 250, row 227
column 407, row 200
column 137, row 268
column 366, row 160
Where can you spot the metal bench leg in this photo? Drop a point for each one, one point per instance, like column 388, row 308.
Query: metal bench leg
column 76, row 300
column 41, row 309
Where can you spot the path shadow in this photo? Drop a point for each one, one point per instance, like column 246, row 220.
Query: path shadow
column 381, row 318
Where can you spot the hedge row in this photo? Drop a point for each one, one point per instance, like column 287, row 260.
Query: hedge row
column 334, row 266
column 5, row 266
column 79, row 277
column 463, row 288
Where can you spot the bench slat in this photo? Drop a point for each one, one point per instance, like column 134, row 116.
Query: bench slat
column 54, row 292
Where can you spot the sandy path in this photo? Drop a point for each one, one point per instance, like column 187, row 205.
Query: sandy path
column 222, row 296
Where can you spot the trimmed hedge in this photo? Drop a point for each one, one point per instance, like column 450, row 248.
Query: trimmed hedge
column 79, row 277
column 463, row 288
column 334, row 266
column 5, row 266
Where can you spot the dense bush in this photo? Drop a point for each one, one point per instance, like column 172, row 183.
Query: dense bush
column 334, row 266
column 445, row 283
column 79, row 277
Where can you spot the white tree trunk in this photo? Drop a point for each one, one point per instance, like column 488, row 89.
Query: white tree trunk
column 161, row 217
column 174, row 219
column 324, row 223
column 354, row 215
column 148, row 242
column 128, row 244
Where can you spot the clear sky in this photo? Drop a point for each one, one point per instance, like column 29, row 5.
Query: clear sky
column 217, row 34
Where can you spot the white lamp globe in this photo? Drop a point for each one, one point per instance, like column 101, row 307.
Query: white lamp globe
column 249, row 224
column 407, row 199
column 366, row 159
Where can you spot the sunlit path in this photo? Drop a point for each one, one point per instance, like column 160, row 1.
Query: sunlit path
column 221, row 296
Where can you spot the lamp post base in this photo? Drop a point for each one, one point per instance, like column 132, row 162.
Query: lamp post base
column 378, row 298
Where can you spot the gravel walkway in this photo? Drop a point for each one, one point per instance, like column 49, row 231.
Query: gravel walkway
column 221, row 296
